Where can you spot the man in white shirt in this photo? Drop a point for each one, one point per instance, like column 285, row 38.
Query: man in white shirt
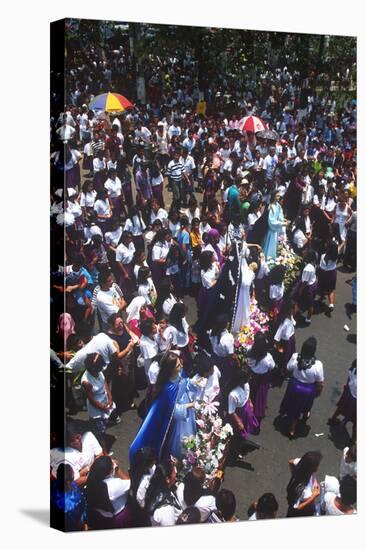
column 142, row 133
column 102, row 344
column 107, row 298
column 189, row 166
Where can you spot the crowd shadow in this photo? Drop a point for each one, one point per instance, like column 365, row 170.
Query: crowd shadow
column 350, row 310
column 339, row 436
column 281, row 424
column 352, row 338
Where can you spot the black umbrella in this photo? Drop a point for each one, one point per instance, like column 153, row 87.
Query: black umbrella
column 268, row 134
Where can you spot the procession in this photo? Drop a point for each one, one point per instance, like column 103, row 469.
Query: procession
column 203, row 292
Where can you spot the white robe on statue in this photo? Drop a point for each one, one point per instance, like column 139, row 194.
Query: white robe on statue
column 243, row 299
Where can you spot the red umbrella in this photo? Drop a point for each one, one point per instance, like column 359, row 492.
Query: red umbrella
column 252, row 124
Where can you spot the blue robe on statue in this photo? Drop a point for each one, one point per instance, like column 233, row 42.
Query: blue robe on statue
column 167, row 422
column 275, row 222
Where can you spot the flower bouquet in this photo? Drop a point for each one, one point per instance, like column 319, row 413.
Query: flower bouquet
column 292, row 262
column 206, row 449
column 258, row 322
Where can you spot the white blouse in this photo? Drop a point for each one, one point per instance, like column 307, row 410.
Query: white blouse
column 209, row 277
column 263, row 366
column 125, row 254
column 276, row 291
column 224, row 345
column 285, row 330
column 180, row 339
column 160, row 251
column 238, row 398
column 308, row 376
column 87, row 200
column 114, row 187
column 327, row 266
column 308, row 274
column 135, row 226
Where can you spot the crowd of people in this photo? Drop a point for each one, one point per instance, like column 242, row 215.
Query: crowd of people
column 170, row 199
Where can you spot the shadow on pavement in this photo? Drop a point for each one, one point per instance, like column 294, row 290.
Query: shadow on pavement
column 339, row 435
column 281, row 424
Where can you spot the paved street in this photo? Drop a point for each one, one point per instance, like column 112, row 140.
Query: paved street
column 264, row 467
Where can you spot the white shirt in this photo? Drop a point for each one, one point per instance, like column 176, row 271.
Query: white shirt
column 90, row 448
column 263, row 366
column 347, row 468
column 157, row 181
column 161, row 215
column 206, row 503
column 180, row 339
column 99, row 393
column 136, row 226
column 212, row 385
column 144, row 484
column 285, row 330
column 147, row 291
column 238, row 398
column 125, row 254
column 174, row 228
column 102, row 208
column 308, row 274
column 299, row 238
column 308, row 376
column 118, row 493
column 88, row 199
column 101, row 343
column 107, row 302
column 113, row 237
column 352, row 383
column 114, row 187
column 224, row 345
column 160, row 251
column 168, row 304
column 327, row 266
column 276, row 291
column 209, row 277
column 153, row 372
column 149, row 348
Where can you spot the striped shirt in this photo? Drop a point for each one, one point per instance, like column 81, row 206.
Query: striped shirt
column 175, row 171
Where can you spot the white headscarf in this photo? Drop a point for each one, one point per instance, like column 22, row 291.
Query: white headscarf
column 133, row 310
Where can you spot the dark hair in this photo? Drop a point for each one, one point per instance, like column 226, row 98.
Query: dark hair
column 167, row 365
column 103, row 276
column 206, row 259
column 65, row 475
column 277, row 275
column 239, row 377
column 310, row 257
column 184, row 221
column 226, row 503
column 112, row 318
column 94, row 361
column 85, row 186
column 143, row 275
column 124, row 236
column 267, row 506
column 219, row 325
column 158, row 484
column 176, row 315
column 203, row 363
column 193, row 485
column 260, row 347
column 348, row 490
column 72, row 341
column 307, row 466
column 331, row 253
column 142, row 460
column 306, row 358
column 286, row 310
column 146, row 327
column 189, row 515
column 96, row 490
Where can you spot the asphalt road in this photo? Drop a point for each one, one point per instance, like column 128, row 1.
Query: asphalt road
column 265, row 465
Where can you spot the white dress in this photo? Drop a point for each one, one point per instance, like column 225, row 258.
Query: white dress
column 243, row 299
column 341, row 216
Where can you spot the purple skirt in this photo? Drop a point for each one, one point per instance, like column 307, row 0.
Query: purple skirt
column 347, row 405
column 327, row 281
column 259, row 386
column 127, row 285
column 127, row 191
column 247, row 416
column 117, row 205
column 99, row 180
column 289, row 348
column 305, row 300
column 298, row 399
column 157, row 273
column 72, row 177
column 157, row 191
column 87, row 163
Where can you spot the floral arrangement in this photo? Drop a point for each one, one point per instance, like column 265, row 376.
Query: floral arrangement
column 258, row 322
column 292, row 262
column 206, row 449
